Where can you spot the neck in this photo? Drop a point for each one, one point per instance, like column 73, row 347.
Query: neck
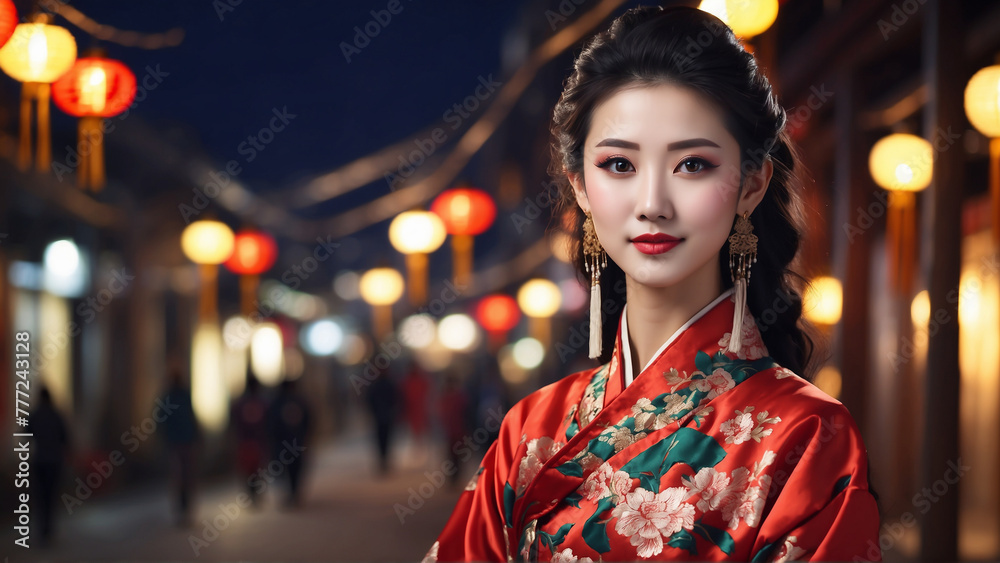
column 654, row 314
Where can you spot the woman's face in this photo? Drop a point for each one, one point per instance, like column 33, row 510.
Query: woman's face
column 659, row 161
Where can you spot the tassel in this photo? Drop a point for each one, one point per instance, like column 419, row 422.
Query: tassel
column 595, row 320
column 736, row 336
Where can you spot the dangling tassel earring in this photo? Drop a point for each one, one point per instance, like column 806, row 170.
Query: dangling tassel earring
column 742, row 253
column 595, row 259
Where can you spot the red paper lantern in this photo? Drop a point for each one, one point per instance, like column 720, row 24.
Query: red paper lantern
column 465, row 211
column 254, row 252
column 8, row 20
column 92, row 89
column 95, row 87
column 498, row 313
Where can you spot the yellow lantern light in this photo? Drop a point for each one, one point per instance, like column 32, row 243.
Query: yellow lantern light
column 209, row 393
column 539, row 299
column 380, row 288
column 982, row 101
column 208, row 244
column 824, row 301
column 920, row 310
column 747, row 19
column 416, row 234
column 36, row 55
column 903, row 164
column 982, row 106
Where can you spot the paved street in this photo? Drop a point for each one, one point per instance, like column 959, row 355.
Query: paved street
column 347, row 515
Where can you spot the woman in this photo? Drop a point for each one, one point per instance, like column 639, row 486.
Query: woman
column 673, row 148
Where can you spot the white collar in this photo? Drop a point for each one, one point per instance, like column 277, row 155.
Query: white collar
column 627, row 352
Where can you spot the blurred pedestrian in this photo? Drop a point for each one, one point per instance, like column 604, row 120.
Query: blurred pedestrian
column 290, row 424
column 453, row 409
column 383, row 399
column 180, row 432
column 48, row 430
column 249, row 420
column 415, row 387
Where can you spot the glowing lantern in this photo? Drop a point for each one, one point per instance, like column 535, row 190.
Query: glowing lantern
column 8, row 20
column 93, row 89
column 747, row 19
column 497, row 314
column 902, row 164
column 254, row 252
column 539, row 299
column 824, row 300
column 982, row 106
column 416, row 234
column 458, row 332
column 466, row 212
column 208, row 244
column 380, row 288
column 37, row 54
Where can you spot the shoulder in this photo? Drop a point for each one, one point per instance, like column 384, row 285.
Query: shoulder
column 548, row 405
column 809, row 416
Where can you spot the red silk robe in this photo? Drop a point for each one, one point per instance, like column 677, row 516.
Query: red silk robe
column 705, row 455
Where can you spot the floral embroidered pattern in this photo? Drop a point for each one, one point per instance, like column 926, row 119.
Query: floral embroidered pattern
column 537, row 453
column 593, row 396
column 752, row 345
column 647, row 517
column 788, row 551
column 566, row 556
column 688, row 392
column 742, row 428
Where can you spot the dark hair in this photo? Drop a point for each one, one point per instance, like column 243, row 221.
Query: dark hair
column 691, row 48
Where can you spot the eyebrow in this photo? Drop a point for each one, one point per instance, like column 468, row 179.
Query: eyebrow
column 676, row 145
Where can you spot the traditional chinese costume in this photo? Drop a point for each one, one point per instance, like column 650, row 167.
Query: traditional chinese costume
column 703, row 455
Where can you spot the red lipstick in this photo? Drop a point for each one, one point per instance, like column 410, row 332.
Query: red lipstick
column 657, row 243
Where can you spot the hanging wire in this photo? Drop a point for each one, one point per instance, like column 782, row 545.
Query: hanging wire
column 170, row 38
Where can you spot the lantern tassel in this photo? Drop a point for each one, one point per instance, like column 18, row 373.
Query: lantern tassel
column 43, row 154
column 90, row 146
column 24, row 147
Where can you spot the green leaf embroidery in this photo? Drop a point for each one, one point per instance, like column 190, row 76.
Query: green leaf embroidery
column 508, row 505
column 686, row 445
column 574, row 499
column 595, row 532
column 684, row 540
column 551, row 541
column 719, row 537
column 571, row 469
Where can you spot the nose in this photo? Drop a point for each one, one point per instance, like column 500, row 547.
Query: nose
column 652, row 197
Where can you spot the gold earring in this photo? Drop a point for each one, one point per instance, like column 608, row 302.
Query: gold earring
column 742, row 253
column 595, row 260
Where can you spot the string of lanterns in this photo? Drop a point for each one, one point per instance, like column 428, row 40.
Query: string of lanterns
column 43, row 57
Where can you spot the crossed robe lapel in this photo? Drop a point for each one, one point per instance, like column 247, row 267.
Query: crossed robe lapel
column 674, row 388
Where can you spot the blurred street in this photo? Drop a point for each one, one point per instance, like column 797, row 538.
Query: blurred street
column 346, row 515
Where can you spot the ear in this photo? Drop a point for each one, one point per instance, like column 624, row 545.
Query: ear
column 755, row 187
column 576, row 181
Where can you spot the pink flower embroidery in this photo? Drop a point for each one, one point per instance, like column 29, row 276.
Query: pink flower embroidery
column 566, row 556
column 752, row 345
column 715, row 384
column 647, row 517
column 621, row 484
column 748, row 506
column 738, row 430
column 711, row 485
column 596, row 486
column 537, row 453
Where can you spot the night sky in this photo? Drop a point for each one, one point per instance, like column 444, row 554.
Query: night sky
column 237, row 63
